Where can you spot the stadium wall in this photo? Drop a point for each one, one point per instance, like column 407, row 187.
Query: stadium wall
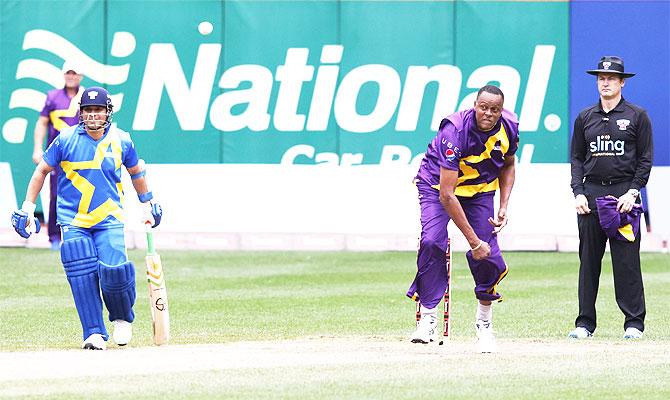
column 301, row 124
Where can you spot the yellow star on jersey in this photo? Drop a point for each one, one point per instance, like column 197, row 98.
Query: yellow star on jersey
column 84, row 217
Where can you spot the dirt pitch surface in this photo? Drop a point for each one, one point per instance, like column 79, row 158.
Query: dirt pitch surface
column 318, row 352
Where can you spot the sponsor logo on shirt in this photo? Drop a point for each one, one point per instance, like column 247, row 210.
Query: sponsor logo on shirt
column 623, row 124
column 604, row 146
column 450, row 154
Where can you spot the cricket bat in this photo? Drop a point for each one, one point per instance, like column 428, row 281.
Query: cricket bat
column 160, row 313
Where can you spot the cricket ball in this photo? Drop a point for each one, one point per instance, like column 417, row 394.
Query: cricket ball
column 205, row 28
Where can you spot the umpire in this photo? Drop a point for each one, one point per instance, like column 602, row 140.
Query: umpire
column 611, row 154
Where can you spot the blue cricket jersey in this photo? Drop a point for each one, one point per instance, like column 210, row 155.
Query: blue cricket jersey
column 89, row 190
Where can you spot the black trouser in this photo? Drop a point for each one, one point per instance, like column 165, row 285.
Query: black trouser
column 628, row 286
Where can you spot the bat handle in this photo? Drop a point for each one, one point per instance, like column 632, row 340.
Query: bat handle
column 151, row 249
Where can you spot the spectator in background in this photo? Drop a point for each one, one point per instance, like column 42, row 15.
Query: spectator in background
column 611, row 159
column 61, row 110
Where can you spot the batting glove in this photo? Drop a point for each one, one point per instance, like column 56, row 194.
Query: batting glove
column 153, row 212
column 24, row 222
column 156, row 213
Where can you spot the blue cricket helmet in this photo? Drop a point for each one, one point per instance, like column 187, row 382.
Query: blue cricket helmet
column 97, row 96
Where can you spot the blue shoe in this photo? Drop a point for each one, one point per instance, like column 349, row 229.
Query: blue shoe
column 580, row 333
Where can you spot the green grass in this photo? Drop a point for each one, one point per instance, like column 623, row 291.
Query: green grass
column 224, row 297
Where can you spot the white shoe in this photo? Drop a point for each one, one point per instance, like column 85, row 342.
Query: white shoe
column 580, row 333
column 632, row 333
column 94, row 342
column 486, row 342
column 123, row 332
column 426, row 331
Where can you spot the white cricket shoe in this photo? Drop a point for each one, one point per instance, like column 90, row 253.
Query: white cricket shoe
column 123, row 332
column 94, row 342
column 632, row 333
column 426, row 331
column 486, row 342
column 580, row 333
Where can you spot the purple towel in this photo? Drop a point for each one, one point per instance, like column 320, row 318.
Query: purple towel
column 620, row 226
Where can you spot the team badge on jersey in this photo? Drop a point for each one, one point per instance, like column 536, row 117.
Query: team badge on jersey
column 623, row 124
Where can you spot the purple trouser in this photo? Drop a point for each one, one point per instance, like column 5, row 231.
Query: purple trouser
column 431, row 278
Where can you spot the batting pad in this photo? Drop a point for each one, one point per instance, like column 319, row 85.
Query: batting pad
column 118, row 290
column 80, row 261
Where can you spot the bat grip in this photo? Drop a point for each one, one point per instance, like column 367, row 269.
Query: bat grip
column 151, row 250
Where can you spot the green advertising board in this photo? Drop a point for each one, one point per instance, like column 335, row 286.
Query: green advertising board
column 292, row 82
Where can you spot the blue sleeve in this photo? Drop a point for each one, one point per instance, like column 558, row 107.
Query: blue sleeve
column 53, row 154
column 449, row 147
column 130, row 158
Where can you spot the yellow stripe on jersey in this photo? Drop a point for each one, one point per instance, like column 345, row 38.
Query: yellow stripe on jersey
column 627, row 232
column 109, row 207
column 57, row 122
column 84, row 217
column 490, row 143
column 470, row 173
column 471, row 190
column 70, row 112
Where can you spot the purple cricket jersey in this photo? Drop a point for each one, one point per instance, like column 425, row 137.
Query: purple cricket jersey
column 61, row 117
column 620, row 226
column 57, row 109
column 477, row 156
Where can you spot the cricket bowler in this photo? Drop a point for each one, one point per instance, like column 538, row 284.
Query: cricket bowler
column 90, row 216
column 470, row 158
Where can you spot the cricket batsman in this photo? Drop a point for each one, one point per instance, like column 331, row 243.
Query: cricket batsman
column 470, row 158
column 90, row 215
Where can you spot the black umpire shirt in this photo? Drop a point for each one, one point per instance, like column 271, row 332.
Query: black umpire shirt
column 611, row 147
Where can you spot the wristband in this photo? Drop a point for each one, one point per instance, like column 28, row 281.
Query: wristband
column 144, row 197
column 138, row 175
column 478, row 246
column 634, row 192
column 28, row 207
